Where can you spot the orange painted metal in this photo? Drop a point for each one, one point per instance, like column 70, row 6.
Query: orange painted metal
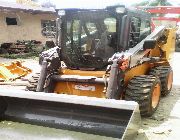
column 136, row 71
column 15, row 70
column 95, row 90
column 156, row 95
column 81, row 89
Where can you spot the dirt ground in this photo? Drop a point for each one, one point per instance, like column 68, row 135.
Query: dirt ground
column 164, row 124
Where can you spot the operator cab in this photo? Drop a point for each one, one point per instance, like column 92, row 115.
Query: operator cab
column 89, row 37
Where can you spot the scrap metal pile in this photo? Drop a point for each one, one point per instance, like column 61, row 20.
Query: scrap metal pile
column 10, row 72
column 24, row 46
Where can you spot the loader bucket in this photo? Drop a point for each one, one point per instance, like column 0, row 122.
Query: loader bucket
column 106, row 118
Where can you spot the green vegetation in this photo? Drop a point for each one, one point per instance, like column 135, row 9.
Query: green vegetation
column 21, row 56
column 154, row 3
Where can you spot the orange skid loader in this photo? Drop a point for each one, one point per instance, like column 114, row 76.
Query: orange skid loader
column 114, row 67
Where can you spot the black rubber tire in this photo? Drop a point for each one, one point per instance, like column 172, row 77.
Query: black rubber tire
column 140, row 89
column 163, row 73
column 33, row 81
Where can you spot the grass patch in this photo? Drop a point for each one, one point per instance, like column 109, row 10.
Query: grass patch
column 21, row 55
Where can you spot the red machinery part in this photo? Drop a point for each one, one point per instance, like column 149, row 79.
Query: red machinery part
column 163, row 9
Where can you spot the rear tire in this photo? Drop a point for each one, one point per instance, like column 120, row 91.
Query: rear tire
column 33, row 81
column 146, row 90
column 165, row 75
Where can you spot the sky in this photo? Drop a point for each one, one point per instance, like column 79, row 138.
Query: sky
column 89, row 3
column 94, row 3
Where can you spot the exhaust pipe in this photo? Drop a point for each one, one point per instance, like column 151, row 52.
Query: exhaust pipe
column 42, row 78
column 102, row 117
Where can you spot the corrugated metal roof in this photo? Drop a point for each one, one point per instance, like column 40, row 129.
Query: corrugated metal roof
column 15, row 6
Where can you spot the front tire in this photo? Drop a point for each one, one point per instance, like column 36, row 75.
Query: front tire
column 146, row 90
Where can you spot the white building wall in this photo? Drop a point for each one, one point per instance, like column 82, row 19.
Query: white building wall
column 28, row 28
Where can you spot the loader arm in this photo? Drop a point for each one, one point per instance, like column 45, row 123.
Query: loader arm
column 135, row 54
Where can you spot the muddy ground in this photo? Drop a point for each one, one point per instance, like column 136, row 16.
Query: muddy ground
column 163, row 125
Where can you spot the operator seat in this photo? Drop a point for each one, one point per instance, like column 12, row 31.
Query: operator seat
column 103, row 48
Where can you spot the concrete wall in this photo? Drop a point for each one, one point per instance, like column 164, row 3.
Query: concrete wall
column 28, row 28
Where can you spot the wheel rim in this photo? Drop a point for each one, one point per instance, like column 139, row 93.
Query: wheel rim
column 156, row 95
column 170, row 80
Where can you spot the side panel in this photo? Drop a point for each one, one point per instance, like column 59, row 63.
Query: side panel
column 81, row 89
column 135, row 71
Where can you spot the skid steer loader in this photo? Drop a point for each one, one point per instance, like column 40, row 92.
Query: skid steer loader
column 114, row 66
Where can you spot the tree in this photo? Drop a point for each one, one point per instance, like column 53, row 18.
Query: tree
column 154, row 3
column 48, row 4
column 144, row 3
